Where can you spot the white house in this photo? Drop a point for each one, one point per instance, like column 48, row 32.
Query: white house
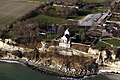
column 65, row 40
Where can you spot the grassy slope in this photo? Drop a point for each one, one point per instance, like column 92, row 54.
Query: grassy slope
column 47, row 37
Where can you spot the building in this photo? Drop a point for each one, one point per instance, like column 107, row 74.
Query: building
column 93, row 19
column 65, row 41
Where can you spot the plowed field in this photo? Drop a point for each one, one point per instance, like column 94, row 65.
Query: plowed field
column 11, row 10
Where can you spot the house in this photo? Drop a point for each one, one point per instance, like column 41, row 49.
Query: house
column 52, row 29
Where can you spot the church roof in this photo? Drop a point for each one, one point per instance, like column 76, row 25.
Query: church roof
column 66, row 32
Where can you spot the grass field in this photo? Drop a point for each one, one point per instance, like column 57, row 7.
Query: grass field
column 51, row 20
column 11, row 10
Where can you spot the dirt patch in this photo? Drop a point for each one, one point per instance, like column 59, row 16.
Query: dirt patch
column 80, row 47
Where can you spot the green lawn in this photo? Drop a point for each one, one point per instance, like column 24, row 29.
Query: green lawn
column 47, row 37
column 100, row 45
column 115, row 42
column 51, row 20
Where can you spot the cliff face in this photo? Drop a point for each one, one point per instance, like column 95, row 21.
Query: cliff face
column 51, row 60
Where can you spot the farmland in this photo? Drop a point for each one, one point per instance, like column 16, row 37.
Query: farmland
column 11, row 10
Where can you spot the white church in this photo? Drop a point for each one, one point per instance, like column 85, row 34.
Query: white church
column 65, row 41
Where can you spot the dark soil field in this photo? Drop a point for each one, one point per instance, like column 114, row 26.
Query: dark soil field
column 11, row 10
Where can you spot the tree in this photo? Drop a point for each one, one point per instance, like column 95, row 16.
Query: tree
column 17, row 53
column 106, row 3
column 36, row 54
column 20, row 55
column 60, row 31
column 83, row 38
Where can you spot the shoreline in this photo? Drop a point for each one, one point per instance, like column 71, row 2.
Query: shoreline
column 45, row 70
column 49, row 72
column 109, row 71
column 9, row 61
column 13, row 62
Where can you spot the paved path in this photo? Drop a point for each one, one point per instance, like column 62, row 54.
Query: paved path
column 117, row 22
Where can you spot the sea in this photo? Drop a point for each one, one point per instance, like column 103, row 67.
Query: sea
column 14, row 71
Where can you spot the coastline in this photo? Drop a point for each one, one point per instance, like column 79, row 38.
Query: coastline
column 52, row 72
column 9, row 61
column 56, row 68
column 44, row 70
column 13, row 61
column 48, row 64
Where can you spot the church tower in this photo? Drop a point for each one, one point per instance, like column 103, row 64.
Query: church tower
column 65, row 40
